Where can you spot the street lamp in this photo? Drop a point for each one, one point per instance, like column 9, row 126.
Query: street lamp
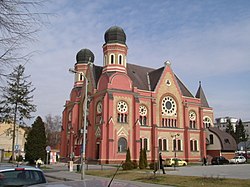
column 84, row 124
column 174, row 136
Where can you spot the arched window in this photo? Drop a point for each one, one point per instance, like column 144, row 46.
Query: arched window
column 112, row 59
column 207, row 122
column 192, row 120
column 177, row 145
column 122, row 112
column 143, row 115
column 169, row 112
column 160, row 144
column 120, row 59
column 211, row 139
column 122, row 145
column 165, row 145
column 193, row 145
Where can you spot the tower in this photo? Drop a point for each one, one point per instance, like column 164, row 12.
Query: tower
column 115, row 50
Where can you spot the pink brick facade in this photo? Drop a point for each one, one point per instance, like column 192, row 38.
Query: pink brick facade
column 133, row 106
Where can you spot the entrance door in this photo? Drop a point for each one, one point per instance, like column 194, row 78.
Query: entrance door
column 97, row 150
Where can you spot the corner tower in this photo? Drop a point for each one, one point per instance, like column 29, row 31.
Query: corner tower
column 115, row 50
column 83, row 58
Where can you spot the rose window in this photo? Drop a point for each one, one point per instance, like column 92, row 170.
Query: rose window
column 122, row 107
column 143, row 110
column 168, row 106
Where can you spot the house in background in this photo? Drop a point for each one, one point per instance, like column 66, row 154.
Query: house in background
column 6, row 134
column 223, row 122
column 220, row 143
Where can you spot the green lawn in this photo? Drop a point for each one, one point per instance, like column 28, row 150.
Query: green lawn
column 180, row 181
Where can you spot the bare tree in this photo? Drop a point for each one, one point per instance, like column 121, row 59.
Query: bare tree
column 52, row 130
column 20, row 20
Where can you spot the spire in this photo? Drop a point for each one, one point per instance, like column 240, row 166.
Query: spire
column 200, row 94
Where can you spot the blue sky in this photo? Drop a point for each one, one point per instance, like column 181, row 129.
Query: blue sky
column 205, row 41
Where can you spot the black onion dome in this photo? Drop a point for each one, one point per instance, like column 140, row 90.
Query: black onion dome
column 115, row 35
column 85, row 56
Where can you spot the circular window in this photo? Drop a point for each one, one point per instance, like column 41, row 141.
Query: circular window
column 192, row 115
column 143, row 110
column 122, row 107
column 168, row 106
column 99, row 107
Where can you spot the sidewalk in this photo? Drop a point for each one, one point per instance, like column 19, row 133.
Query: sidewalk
column 60, row 171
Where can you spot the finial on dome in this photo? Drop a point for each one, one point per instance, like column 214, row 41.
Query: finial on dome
column 167, row 63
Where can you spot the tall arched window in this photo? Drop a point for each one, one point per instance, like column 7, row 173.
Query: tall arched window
column 112, row 59
column 122, row 145
column 211, row 139
column 120, row 59
column 193, row 145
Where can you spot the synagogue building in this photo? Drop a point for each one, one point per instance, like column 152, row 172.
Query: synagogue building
column 132, row 106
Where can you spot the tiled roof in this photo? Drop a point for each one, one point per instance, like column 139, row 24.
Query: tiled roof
column 144, row 78
column 228, row 143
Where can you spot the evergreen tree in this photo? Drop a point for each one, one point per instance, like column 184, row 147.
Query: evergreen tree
column 36, row 142
column 141, row 161
column 145, row 158
column 230, row 129
column 240, row 133
column 128, row 164
column 128, row 156
column 16, row 100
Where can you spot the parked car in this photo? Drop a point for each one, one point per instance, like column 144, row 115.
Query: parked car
column 21, row 176
column 175, row 161
column 237, row 160
column 219, row 160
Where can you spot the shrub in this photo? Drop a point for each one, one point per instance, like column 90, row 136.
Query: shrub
column 135, row 165
column 127, row 166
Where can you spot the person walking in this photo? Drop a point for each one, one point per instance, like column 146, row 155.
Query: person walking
column 161, row 163
column 204, row 161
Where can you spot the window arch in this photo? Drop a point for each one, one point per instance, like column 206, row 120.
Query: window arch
column 207, row 122
column 122, row 145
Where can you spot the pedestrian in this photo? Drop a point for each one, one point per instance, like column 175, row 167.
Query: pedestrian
column 161, row 164
column 39, row 162
column 204, row 161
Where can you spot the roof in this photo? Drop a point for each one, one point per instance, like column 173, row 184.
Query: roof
column 144, row 78
column 200, row 94
column 228, row 143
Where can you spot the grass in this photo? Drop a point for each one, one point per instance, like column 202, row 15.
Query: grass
column 172, row 180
